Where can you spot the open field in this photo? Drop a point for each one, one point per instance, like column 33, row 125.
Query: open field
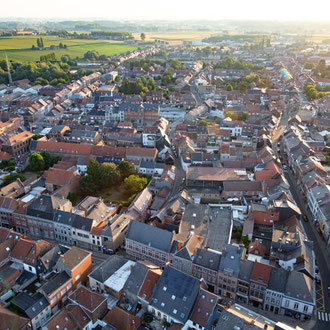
column 174, row 37
column 19, row 48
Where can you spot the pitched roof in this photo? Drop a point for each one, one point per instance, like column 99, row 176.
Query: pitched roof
column 122, row 320
column 10, row 320
column 86, row 298
column 148, row 285
column 74, row 256
column 29, row 251
column 175, row 294
column 261, row 272
column 150, row 236
column 203, row 309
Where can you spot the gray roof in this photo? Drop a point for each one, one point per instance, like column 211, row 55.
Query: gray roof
column 300, row 286
column 31, row 306
column 245, row 270
column 107, row 268
column 56, row 282
column 150, row 236
column 175, row 294
column 230, row 259
column 136, row 278
column 277, row 280
column 207, row 259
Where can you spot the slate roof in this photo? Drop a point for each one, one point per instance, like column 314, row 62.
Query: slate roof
column 31, row 306
column 150, row 236
column 207, row 259
column 136, row 278
column 300, row 286
column 175, row 294
column 56, row 282
column 231, row 259
column 277, row 280
column 107, row 268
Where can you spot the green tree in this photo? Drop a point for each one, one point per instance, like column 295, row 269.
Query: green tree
column 93, row 171
column 109, row 174
column 13, row 177
column 125, row 169
column 143, row 36
column 134, row 184
column 36, row 162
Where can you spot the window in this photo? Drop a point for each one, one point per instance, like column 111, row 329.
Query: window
column 296, row 306
column 78, row 277
column 63, row 291
column 305, row 309
column 287, row 303
column 53, row 300
column 69, row 286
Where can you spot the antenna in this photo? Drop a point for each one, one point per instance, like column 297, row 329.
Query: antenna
column 9, row 74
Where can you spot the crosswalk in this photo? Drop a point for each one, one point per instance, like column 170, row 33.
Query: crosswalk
column 322, row 316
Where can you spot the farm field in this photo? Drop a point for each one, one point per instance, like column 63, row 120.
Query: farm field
column 19, row 48
column 175, row 37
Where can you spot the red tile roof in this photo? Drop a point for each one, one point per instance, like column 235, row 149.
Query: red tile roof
column 261, row 272
column 122, row 320
column 147, row 287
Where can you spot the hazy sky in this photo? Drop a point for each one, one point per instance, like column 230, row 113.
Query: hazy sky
column 317, row 10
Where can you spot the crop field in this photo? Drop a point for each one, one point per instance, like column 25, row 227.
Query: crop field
column 174, row 37
column 19, row 48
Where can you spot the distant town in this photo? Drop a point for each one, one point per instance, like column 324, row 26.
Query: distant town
column 164, row 185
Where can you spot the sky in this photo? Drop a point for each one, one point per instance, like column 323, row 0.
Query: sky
column 286, row 10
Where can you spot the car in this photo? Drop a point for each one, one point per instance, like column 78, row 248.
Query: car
column 285, row 167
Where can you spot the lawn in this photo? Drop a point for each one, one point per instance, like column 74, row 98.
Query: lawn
column 18, row 48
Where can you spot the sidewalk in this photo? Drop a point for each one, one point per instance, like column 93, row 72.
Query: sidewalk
column 306, row 325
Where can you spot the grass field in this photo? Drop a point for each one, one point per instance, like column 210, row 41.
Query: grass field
column 19, row 48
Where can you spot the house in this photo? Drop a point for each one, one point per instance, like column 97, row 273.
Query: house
column 171, row 302
column 134, row 282
column 203, row 311
column 75, row 262
column 111, row 276
column 56, row 289
column 148, row 243
column 11, row 320
column 275, row 290
column 17, row 144
column 27, row 252
column 205, row 266
column 299, row 296
column 258, row 282
column 92, row 303
column 147, row 287
column 121, row 319
column 33, row 307
column 59, row 179
column 243, row 281
column 71, row 317
column 140, row 204
column 228, row 272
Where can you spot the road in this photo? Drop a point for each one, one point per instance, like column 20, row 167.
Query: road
column 321, row 254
